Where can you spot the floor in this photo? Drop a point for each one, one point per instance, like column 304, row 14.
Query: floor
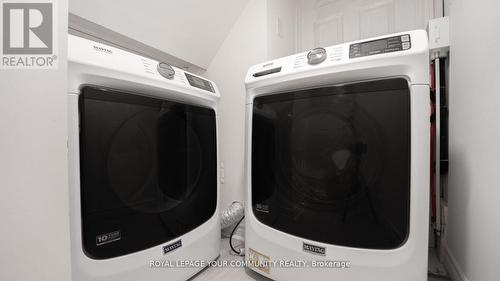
column 437, row 271
column 244, row 274
column 228, row 273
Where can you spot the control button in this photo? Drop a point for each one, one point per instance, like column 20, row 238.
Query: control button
column 165, row 70
column 405, row 38
column 406, row 45
column 316, row 56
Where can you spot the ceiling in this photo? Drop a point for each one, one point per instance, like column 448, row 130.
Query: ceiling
column 192, row 30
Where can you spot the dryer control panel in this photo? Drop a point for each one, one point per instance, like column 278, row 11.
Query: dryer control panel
column 395, row 49
column 380, row 46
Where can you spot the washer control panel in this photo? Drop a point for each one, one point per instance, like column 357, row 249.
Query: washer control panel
column 316, row 56
column 380, row 46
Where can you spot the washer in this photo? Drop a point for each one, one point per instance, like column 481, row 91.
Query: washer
column 143, row 158
column 337, row 162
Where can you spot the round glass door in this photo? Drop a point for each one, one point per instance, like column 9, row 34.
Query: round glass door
column 148, row 170
column 332, row 164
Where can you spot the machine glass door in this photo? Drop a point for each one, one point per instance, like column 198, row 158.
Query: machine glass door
column 148, row 170
column 332, row 164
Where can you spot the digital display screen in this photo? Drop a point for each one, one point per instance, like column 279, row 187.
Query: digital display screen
column 380, row 46
column 373, row 46
column 199, row 83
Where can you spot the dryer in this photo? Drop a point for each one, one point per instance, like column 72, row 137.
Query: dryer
column 143, row 154
column 337, row 162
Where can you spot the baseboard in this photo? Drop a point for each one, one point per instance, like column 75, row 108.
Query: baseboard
column 451, row 264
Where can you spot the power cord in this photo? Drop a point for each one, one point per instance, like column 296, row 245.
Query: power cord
column 231, row 237
column 438, row 276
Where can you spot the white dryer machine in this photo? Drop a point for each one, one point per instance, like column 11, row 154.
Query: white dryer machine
column 337, row 162
column 143, row 156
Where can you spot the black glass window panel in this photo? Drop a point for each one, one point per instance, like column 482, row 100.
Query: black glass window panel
column 148, row 170
column 332, row 164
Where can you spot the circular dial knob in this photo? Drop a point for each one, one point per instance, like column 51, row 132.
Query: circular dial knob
column 166, row 70
column 316, row 56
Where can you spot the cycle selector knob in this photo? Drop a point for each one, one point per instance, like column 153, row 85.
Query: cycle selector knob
column 316, row 56
column 165, row 70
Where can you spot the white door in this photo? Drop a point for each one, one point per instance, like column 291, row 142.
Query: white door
column 323, row 23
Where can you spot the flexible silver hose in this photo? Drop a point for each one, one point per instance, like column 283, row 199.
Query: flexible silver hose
column 232, row 214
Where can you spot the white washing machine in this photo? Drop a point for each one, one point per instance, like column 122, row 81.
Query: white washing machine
column 143, row 154
column 337, row 162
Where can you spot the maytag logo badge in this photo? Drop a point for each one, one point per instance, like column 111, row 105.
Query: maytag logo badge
column 170, row 247
column 28, row 35
column 317, row 250
column 102, row 49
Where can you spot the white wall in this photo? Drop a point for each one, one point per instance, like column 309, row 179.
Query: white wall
column 282, row 28
column 34, row 220
column 192, row 30
column 245, row 45
column 474, row 186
